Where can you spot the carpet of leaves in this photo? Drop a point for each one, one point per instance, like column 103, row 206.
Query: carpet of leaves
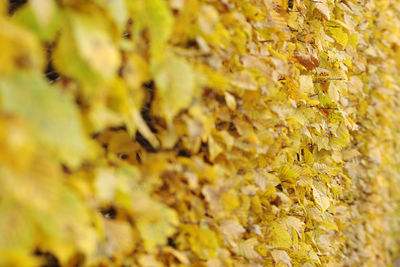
column 199, row 133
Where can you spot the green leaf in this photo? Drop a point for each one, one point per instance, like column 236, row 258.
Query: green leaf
column 156, row 221
column 157, row 18
column 175, row 87
column 95, row 45
column 51, row 115
column 41, row 17
column 116, row 10
column 87, row 41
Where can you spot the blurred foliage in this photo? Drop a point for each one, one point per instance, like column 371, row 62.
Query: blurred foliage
column 199, row 133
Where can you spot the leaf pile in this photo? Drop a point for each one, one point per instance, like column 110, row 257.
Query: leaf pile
column 199, row 133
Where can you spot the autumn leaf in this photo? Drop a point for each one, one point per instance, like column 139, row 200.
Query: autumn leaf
column 310, row 62
column 278, row 236
column 176, row 86
column 51, row 115
column 204, row 133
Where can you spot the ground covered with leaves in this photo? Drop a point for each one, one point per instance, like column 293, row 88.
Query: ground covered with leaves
column 199, row 133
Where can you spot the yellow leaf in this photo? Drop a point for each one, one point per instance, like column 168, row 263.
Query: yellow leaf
column 321, row 199
column 244, row 79
column 230, row 201
column 281, row 256
column 339, row 34
column 230, row 101
column 323, row 8
column 52, row 116
column 23, row 49
column 306, row 84
column 214, row 148
column 119, row 238
column 203, row 241
column 333, row 92
column 157, row 18
column 175, row 87
column 95, row 45
column 247, row 248
column 208, row 18
column 278, row 236
column 155, row 221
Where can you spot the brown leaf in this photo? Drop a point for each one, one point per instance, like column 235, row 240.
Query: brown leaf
column 310, row 62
